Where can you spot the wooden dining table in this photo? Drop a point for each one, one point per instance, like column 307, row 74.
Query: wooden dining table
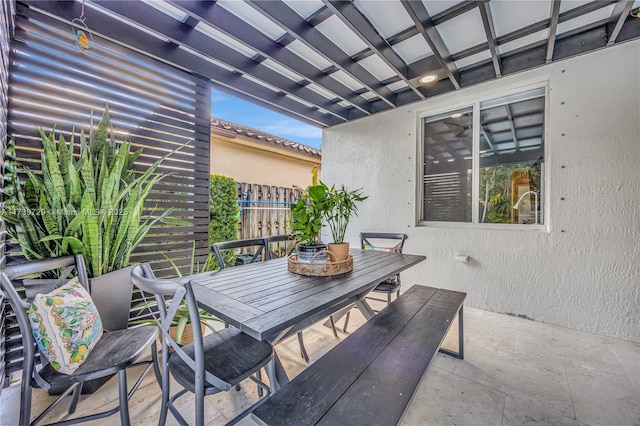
column 268, row 302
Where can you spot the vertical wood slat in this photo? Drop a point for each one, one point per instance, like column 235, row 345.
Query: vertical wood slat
column 5, row 36
column 265, row 209
column 153, row 105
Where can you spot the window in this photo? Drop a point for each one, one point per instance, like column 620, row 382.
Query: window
column 485, row 163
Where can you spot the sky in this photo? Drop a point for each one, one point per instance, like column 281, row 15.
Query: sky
column 228, row 108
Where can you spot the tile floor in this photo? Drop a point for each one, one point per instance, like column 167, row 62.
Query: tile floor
column 515, row 372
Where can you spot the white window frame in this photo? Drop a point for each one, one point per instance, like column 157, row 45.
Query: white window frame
column 475, row 102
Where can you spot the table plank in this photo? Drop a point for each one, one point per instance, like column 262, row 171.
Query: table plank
column 315, row 394
column 289, row 310
column 374, row 398
column 311, row 285
column 224, row 307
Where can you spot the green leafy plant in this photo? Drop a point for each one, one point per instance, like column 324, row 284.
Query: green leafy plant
column 88, row 201
column 308, row 213
column 340, row 205
column 495, row 190
column 320, row 204
column 224, row 212
column 182, row 317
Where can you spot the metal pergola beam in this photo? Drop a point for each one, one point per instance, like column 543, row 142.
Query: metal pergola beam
column 319, row 16
column 239, row 30
column 360, row 25
column 630, row 30
column 489, row 29
column 512, row 127
column 533, row 28
column 136, row 39
column 618, row 17
column 254, row 79
column 288, row 19
column 185, row 35
column 515, row 116
column 488, row 138
column 454, row 11
column 518, row 157
column 553, row 26
column 430, row 34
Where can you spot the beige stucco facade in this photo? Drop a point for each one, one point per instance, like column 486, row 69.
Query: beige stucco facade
column 250, row 160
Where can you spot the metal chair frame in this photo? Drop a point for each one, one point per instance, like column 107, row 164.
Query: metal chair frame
column 46, row 377
column 274, row 239
column 399, row 239
column 262, row 251
column 206, row 383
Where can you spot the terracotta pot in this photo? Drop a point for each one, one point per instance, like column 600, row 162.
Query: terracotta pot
column 341, row 251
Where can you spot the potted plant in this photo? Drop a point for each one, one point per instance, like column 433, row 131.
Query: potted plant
column 179, row 330
column 88, row 200
column 340, row 205
column 307, row 216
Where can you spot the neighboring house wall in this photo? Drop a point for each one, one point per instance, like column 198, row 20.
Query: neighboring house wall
column 583, row 272
column 250, row 160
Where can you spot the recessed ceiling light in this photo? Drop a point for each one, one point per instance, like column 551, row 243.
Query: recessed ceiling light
column 456, row 115
column 428, row 78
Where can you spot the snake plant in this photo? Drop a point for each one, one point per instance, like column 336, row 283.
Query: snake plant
column 87, row 199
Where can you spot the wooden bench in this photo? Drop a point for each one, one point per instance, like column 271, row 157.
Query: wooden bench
column 369, row 378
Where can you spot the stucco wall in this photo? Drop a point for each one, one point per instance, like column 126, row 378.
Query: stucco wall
column 247, row 162
column 583, row 272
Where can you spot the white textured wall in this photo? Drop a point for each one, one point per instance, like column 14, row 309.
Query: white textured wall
column 584, row 272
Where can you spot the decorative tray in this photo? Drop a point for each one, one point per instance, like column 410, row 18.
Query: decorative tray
column 324, row 268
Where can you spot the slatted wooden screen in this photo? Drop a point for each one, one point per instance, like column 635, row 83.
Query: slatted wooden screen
column 5, row 36
column 155, row 106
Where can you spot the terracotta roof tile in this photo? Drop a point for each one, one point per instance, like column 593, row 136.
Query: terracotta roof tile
column 250, row 132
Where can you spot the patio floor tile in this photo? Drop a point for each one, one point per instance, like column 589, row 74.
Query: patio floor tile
column 515, row 372
column 473, row 403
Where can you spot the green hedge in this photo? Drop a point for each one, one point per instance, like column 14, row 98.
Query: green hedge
column 224, row 213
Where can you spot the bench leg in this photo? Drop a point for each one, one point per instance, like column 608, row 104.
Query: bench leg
column 460, row 353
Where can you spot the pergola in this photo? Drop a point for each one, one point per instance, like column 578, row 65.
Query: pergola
column 328, row 62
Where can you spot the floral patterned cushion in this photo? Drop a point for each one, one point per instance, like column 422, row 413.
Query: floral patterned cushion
column 66, row 325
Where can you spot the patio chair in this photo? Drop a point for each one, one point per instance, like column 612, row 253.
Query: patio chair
column 114, row 353
column 382, row 241
column 259, row 245
column 262, row 252
column 211, row 364
column 280, row 241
